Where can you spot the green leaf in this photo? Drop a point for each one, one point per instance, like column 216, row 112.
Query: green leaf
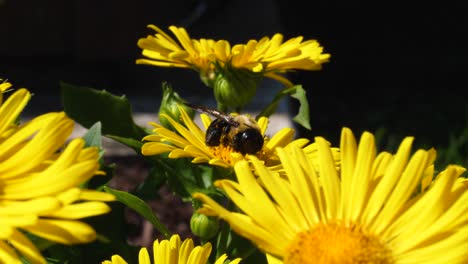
column 185, row 177
column 296, row 92
column 140, row 207
column 154, row 181
column 129, row 142
column 230, row 243
column 303, row 115
column 88, row 106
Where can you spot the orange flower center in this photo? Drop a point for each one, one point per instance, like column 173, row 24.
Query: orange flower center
column 337, row 243
column 223, row 153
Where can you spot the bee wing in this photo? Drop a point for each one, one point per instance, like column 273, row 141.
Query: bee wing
column 213, row 112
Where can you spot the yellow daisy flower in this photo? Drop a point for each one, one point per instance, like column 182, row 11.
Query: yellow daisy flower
column 174, row 251
column 268, row 56
column 189, row 141
column 163, row 51
column 39, row 182
column 273, row 56
column 376, row 208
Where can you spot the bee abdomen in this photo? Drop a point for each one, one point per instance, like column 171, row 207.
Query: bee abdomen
column 249, row 141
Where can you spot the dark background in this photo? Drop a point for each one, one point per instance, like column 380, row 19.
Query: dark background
column 398, row 66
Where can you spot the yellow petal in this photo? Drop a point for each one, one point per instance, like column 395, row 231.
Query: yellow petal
column 63, row 231
column 33, row 206
column 282, row 138
column 143, row 256
column 384, row 188
column 81, row 210
column 54, row 129
column 155, row 148
column 185, row 249
column 8, row 254
column 10, row 110
column 26, row 247
column 92, row 195
column 115, row 259
column 331, row 185
column 360, row 182
column 206, row 120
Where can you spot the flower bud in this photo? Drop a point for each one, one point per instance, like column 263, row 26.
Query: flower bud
column 234, row 88
column 170, row 103
column 208, row 78
column 205, row 227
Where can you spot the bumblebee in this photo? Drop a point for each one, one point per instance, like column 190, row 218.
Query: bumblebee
column 241, row 132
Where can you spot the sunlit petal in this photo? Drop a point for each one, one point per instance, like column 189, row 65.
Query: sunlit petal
column 368, row 208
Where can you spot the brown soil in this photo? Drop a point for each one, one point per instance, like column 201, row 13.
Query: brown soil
column 175, row 214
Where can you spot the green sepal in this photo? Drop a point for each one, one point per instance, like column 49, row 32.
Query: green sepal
column 170, row 104
column 93, row 138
